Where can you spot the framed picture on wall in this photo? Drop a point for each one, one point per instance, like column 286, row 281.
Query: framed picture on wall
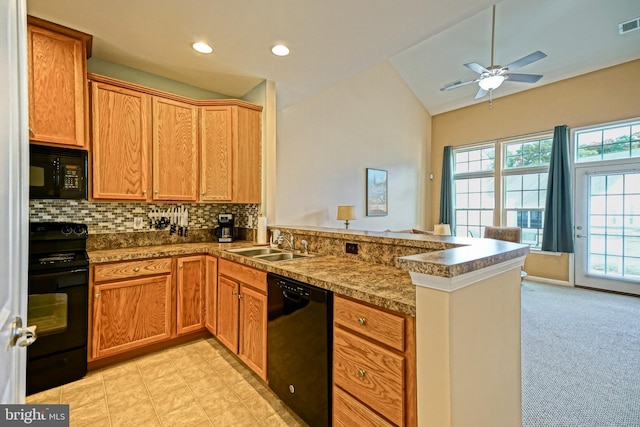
column 376, row 192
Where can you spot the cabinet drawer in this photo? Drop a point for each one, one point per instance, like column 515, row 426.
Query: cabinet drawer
column 348, row 411
column 379, row 325
column 372, row 374
column 244, row 274
column 123, row 270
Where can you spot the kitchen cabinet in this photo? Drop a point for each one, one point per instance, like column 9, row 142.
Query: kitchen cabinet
column 373, row 365
column 211, row 290
column 121, row 140
column 132, row 305
column 231, row 154
column 57, row 83
column 175, row 150
column 242, row 313
column 190, row 297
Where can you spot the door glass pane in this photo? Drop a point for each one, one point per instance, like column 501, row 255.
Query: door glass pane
column 614, row 225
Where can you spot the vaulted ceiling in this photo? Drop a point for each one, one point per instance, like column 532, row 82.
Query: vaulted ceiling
column 427, row 41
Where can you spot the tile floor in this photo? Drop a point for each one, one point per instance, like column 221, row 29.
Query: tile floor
column 196, row 384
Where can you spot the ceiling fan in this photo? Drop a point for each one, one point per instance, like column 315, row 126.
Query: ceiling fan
column 492, row 77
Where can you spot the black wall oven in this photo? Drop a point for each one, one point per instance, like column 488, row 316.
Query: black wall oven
column 58, row 304
column 57, row 173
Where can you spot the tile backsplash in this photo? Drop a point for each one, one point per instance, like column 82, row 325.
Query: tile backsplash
column 118, row 217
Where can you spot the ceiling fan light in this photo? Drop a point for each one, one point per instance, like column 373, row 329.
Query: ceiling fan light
column 491, row 82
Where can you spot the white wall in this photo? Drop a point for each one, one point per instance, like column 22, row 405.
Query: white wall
column 325, row 144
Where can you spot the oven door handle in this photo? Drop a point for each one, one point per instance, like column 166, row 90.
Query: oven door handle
column 49, row 282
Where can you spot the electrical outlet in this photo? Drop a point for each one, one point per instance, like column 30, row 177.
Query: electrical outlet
column 352, row 248
column 250, row 220
column 138, row 222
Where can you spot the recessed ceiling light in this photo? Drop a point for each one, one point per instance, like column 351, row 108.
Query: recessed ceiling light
column 280, row 50
column 202, row 47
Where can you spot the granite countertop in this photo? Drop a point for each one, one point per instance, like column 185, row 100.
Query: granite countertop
column 381, row 285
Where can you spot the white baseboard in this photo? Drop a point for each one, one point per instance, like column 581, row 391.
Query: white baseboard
column 548, row 281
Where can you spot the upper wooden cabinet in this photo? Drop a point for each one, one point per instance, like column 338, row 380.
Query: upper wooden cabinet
column 121, row 136
column 231, row 154
column 175, row 150
column 57, row 83
column 219, row 141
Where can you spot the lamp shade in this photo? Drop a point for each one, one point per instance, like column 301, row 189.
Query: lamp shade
column 442, row 230
column 491, row 82
column 346, row 213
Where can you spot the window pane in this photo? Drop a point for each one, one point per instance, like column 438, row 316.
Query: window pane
column 608, row 143
column 530, row 153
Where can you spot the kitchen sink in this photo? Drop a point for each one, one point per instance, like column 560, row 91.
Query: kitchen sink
column 269, row 254
column 255, row 251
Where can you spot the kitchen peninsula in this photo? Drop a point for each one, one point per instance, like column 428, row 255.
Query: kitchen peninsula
column 464, row 295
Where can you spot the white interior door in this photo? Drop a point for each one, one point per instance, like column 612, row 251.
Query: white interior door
column 607, row 221
column 14, row 191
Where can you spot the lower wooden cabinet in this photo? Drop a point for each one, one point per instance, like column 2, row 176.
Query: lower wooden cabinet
column 191, row 292
column 141, row 302
column 242, row 313
column 211, row 290
column 374, row 365
column 131, row 313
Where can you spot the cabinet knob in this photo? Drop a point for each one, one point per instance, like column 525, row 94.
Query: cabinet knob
column 136, row 269
column 203, row 193
column 144, row 191
column 240, row 296
column 97, row 295
column 361, row 373
column 180, row 266
column 234, row 293
column 362, row 320
column 156, row 191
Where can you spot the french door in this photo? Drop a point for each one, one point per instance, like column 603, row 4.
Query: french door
column 607, row 227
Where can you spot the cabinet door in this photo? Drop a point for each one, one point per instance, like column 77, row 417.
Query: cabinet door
column 57, row 91
column 248, row 168
column 175, row 148
column 227, row 313
column 211, row 290
column 121, row 130
column 253, row 330
column 131, row 314
column 216, row 153
column 190, row 308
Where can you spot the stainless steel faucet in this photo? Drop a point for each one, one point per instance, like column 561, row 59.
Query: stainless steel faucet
column 289, row 241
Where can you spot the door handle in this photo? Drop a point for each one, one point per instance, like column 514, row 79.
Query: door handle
column 22, row 336
column 581, row 236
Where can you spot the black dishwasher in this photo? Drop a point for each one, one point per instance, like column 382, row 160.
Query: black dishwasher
column 299, row 347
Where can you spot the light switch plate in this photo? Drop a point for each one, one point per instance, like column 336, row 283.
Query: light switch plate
column 138, row 223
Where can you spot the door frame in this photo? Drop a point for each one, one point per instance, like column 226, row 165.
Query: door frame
column 14, row 188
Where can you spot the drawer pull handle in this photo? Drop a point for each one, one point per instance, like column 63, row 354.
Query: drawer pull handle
column 136, row 269
column 361, row 373
column 362, row 320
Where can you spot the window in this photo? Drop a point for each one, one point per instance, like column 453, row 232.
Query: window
column 525, row 172
column 474, row 189
column 520, row 203
column 620, row 141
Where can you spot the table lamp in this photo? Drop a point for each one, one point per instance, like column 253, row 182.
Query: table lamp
column 345, row 213
column 442, row 230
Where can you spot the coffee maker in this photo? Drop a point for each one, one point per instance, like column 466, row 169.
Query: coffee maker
column 224, row 230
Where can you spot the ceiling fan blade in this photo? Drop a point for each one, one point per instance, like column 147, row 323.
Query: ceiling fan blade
column 532, row 57
column 476, row 67
column 457, row 84
column 524, row 78
column 481, row 93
